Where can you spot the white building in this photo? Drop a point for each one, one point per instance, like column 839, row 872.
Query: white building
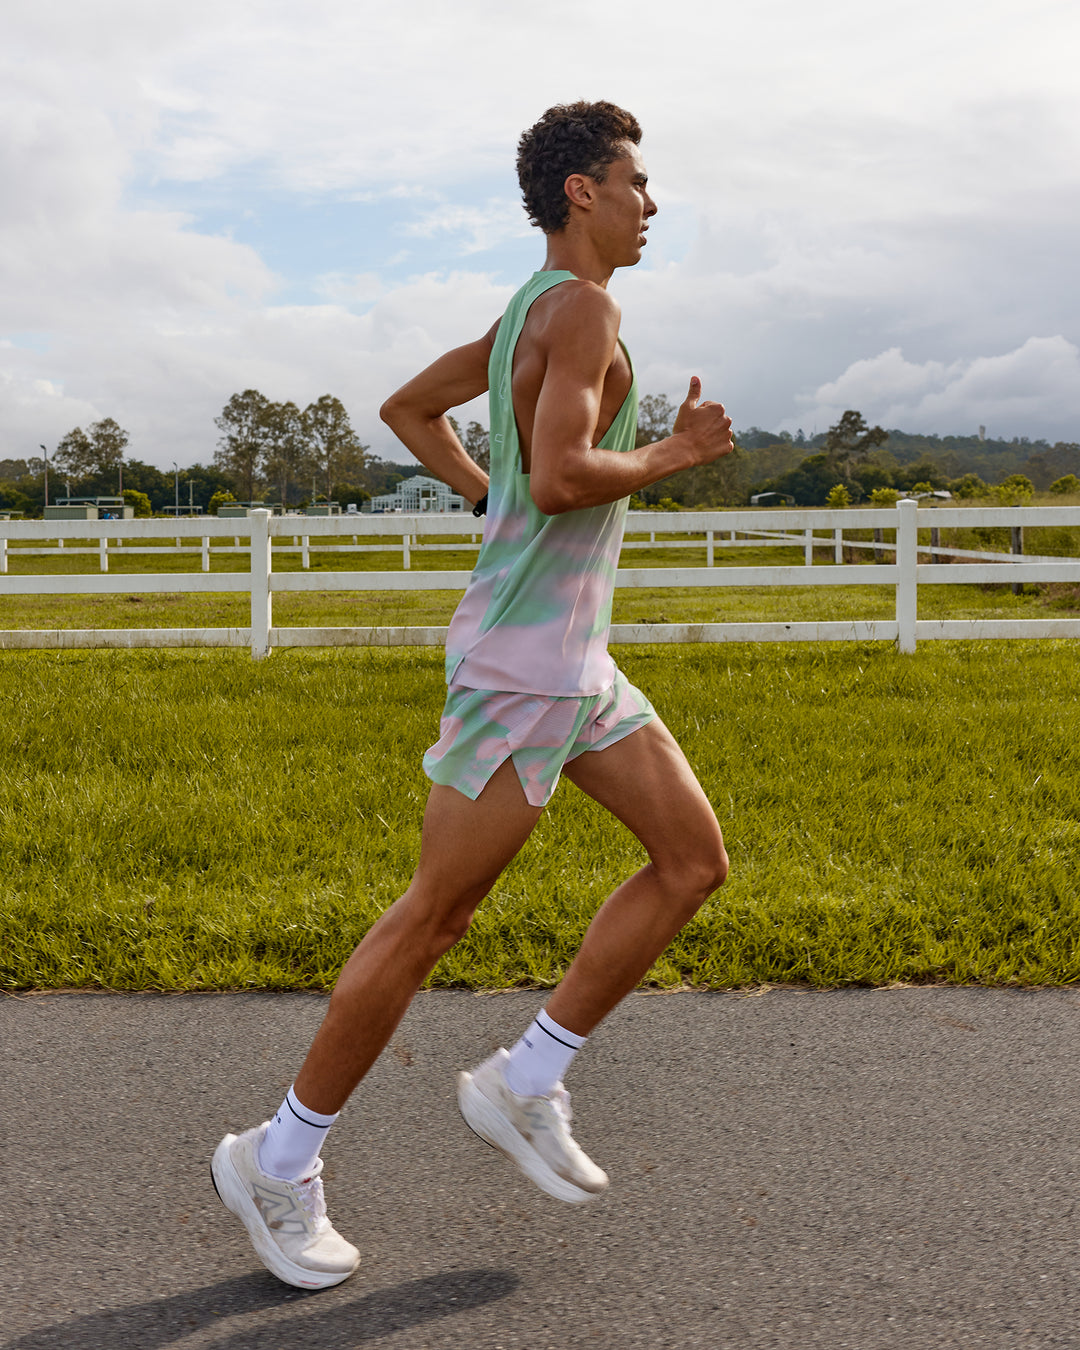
column 418, row 494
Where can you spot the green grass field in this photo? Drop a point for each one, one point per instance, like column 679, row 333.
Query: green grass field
column 195, row 820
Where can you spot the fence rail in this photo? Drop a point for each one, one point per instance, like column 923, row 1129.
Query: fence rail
column 264, row 535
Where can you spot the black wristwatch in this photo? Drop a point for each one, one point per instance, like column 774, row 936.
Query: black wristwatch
column 480, row 509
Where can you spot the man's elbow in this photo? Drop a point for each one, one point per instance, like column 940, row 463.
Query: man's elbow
column 391, row 411
column 552, row 498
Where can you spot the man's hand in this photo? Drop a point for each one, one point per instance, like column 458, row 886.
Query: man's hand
column 706, row 424
column 417, row 414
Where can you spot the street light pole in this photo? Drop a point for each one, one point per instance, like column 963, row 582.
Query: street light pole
column 46, row 454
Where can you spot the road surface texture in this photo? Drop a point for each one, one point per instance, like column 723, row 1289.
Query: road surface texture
column 891, row 1169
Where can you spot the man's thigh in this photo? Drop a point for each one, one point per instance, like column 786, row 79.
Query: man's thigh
column 646, row 782
column 465, row 844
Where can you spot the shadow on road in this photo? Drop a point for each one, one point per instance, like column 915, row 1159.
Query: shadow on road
column 163, row 1321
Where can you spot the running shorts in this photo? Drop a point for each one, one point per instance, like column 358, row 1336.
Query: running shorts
column 481, row 728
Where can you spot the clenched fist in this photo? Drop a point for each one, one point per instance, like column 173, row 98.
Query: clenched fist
column 706, row 424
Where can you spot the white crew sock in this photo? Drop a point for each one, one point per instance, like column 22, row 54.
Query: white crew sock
column 290, row 1147
column 541, row 1058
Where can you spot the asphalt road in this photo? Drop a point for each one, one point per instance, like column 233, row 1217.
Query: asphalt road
column 846, row 1169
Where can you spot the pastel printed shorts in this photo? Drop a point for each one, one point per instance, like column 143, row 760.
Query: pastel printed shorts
column 481, row 728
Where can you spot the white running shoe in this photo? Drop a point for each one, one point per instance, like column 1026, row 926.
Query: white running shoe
column 286, row 1220
column 533, row 1132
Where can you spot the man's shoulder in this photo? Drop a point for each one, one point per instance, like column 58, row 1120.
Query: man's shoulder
column 576, row 304
column 577, row 293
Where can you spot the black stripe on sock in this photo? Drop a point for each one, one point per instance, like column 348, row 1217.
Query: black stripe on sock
column 556, row 1038
column 303, row 1119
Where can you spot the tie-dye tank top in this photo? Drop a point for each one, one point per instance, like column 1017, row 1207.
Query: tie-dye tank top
column 535, row 616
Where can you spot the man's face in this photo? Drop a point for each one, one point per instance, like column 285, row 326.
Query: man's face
column 623, row 207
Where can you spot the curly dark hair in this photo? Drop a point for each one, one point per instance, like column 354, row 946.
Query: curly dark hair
column 569, row 138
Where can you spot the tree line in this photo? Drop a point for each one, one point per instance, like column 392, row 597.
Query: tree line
column 278, row 453
column 867, row 462
column 265, row 451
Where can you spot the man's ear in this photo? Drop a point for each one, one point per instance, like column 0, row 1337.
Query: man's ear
column 579, row 189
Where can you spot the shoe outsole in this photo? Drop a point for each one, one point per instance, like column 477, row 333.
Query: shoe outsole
column 487, row 1122
column 233, row 1194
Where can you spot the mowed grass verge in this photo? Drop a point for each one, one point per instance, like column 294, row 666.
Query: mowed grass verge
column 185, row 820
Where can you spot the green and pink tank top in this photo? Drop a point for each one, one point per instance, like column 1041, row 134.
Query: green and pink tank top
column 536, row 614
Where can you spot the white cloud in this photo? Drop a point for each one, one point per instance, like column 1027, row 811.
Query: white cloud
column 1009, row 394
column 479, row 228
column 904, row 178
column 166, row 387
column 35, row 412
column 361, row 288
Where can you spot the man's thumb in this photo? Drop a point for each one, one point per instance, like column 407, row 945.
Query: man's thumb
column 694, row 392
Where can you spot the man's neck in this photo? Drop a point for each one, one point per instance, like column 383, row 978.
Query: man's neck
column 577, row 254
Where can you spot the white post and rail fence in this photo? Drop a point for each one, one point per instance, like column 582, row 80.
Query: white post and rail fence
column 896, row 564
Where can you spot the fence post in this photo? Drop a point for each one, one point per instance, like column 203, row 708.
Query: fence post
column 103, row 553
column 1017, row 548
column 907, row 558
column 3, row 555
column 838, row 546
column 708, row 548
column 305, row 551
column 206, row 553
column 808, row 557
column 260, row 583
column 406, row 559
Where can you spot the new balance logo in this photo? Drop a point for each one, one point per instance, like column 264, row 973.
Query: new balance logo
column 278, row 1211
column 537, row 1123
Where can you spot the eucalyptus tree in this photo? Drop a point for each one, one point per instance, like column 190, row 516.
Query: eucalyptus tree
column 333, row 447
column 851, row 440
column 656, row 419
column 476, row 442
column 286, row 451
column 97, row 452
column 245, row 435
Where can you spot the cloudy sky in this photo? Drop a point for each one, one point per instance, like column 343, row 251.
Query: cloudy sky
column 863, row 203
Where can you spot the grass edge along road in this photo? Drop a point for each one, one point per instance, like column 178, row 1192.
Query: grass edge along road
column 193, row 820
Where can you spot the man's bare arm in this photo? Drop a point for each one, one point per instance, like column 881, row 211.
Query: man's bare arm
column 417, row 414
column 567, row 470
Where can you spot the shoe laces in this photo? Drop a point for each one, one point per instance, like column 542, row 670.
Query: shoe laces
column 311, row 1195
column 560, row 1101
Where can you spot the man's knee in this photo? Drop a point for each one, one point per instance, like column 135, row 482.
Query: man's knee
column 451, row 928
column 424, row 926
column 444, row 925
column 714, row 870
column 698, row 871
column 710, row 871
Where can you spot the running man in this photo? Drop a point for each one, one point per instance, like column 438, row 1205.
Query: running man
column 533, row 693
